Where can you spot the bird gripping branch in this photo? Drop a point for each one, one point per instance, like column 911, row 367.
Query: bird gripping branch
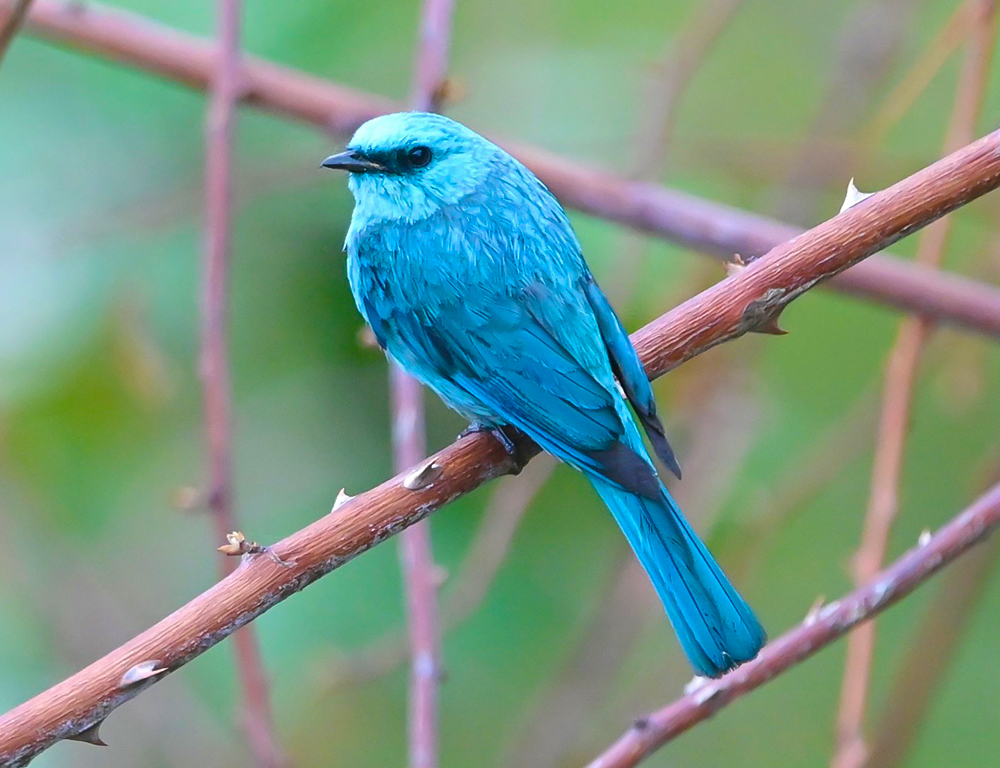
column 470, row 276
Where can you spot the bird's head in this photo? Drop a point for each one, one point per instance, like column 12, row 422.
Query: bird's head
column 408, row 165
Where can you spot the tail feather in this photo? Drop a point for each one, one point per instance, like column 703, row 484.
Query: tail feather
column 716, row 628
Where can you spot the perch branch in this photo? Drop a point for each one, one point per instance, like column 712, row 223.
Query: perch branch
column 710, row 227
column 897, row 399
column 743, row 302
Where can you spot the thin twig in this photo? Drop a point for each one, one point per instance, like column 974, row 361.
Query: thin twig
column 866, row 46
column 709, row 227
column 672, row 75
column 733, row 307
column 409, row 444
column 940, row 48
column 11, row 25
column 831, row 622
column 812, row 470
column 257, row 719
column 897, row 399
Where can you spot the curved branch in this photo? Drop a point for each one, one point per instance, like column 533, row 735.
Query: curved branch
column 713, row 228
column 744, row 302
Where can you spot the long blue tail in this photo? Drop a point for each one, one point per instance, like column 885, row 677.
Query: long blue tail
column 717, row 629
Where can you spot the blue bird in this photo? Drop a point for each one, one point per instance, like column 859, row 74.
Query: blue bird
column 471, row 277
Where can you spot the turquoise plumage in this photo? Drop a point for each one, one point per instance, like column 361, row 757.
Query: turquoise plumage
column 469, row 273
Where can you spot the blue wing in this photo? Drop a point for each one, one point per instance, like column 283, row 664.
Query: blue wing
column 538, row 363
column 630, row 373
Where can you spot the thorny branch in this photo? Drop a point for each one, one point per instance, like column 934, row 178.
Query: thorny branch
column 743, row 302
column 815, row 633
column 929, row 655
column 714, row 228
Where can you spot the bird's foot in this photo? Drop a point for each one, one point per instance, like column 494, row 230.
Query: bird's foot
column 509, row 438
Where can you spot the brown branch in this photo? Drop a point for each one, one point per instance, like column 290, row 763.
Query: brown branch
column 737, row 305
column 257, row 719
column 10, row 27
column 897, row 399
column 420, row 578
column 815, row 633
column 431, row 66
column 700, row 224
column 409, row 442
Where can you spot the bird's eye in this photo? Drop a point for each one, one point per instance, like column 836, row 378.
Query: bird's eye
column 418, row 157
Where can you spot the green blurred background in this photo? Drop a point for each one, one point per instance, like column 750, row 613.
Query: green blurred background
column 101, row 424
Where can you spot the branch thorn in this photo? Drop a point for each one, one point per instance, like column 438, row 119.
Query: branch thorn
column 422, row 477
column 735, row 265
column 341, row 500
column 140, row 672
column 91, row 735
column 238, row 545
column 853, row 196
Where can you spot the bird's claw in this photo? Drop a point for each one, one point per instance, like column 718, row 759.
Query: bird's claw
column 508, row 442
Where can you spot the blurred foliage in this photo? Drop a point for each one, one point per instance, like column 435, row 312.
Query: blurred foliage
column 100, row 417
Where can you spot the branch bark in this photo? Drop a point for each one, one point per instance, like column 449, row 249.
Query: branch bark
column 741, row 303
column 710, row 227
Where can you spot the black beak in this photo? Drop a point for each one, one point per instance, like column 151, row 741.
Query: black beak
column 352, row 161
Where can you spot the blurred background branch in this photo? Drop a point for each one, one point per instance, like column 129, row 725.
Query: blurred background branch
column 224, row 92
column 897, row 403
column 409, row 442
column 16, row 15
